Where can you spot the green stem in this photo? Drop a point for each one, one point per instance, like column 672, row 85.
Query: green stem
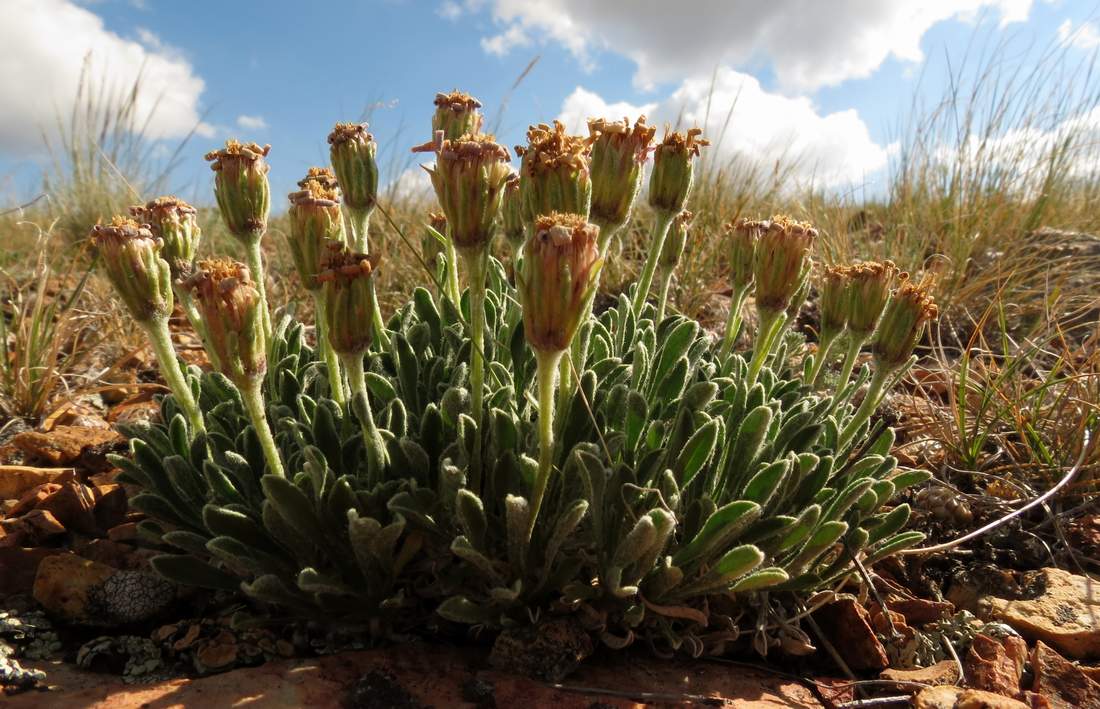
column 254, row 403
column 733, row 323
column 256, row 267
column 855, row 344
column 662, row 300
column 450, row 284
column 195, row 317
column 547, row 370
column 870, row 402
column 372, row 437
column 360, row 235
column 477, row 261
column 161, row 339
column 656, row 243
column 824, row 347
column 771, row 324
column 324, row 348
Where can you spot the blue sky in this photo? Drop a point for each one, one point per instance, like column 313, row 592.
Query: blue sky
column 835, row 80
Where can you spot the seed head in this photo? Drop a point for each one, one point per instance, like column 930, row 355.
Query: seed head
column 870, row 283
column 560, row 268
column 324, row 176
column 352, row 151
column 910, row 308
column 619, row 152
column 315, row 219
column 553, row 172
column 673, row 248
column 131, row 258
column 782, row 262
column 469, row 176
column 241, row 187
column 346, row 278
column 231, row 310
column 175, row 223
column 456, row 114
column 835, row 299
column 743, row 236
column 674, row 169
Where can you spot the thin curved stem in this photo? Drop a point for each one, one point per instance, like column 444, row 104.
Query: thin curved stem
column 870, row 402
column 546, row 372
column 771, row 324
column 187, row 302
column 360, row 236
column 733, row 322
column 256, row 267
column 253, row 399
column 161, row 339
column 855, row 344
column 824, row 347
column 662, row 300
column 324, row 348
column 454, row 291
column 372, row 437
column 476, row 267
column 656, row 243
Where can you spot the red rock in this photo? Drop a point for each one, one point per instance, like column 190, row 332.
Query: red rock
column 946, row 672
column 16, row 480
column 1061, row 682
column 125, row 532
column 848, row 627
column 32, row 498
column 18, row 566
column 74, row 506
column 31, row 529
column 138, row 408
column 111, row 505
column 63, row 583
column 1060, row 608
column 918, row 611
column 996, row 665
column 947, row 697
column 64, row 444
column 105, row 551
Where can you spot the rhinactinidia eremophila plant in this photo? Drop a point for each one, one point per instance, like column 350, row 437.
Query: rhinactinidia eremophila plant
column 456, row 114
column 669, row 186
column 869, row 284
column 244, row 199
column 353, row 151
column 347, row 279
column 511, row 215
column 434, row 241
column 671, row 254
column 619, row 153
column 231, row 307
column 835, row 293
column 130, row 254
column 553, row 173
column 741, row 236
column 561, row 266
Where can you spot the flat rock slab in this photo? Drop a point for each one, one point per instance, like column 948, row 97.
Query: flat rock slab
column 417, row 675
column 1064, row 612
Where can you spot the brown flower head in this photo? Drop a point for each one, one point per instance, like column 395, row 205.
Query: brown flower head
column 231, row 310
column 619, row 152
column 743, row 236
column 176, row 224
column 834, row 300
column 323, row 176
column 131, row 257
column 469, row 176
column 553, row 172
column 870, row 286
column 673, row 248
column 456, row 114
column 241, row 187
column 352, row 151
column 782, row 262
column 511, row 213
column 910, row 308
column 674, row 169
column 315, row 219
column 346, row 277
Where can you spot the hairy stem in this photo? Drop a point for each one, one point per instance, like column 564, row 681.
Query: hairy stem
column 824, row 348
column 332, row 360
column 360, row 243
column 450, row 283
column 172, row 371
column 656, row 243
column 733, row 323
column 372, row 437
column 855, row 344
column 187, row 302
column 662, row 300
column 254, row 403
column 547, row 371
column 771, row 324
column 256, row 267
column 871, row 400
column 477, row 261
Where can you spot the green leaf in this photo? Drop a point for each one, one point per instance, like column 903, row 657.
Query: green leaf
column 188, row 571
column 696, row 452
column 293, row 506
column 720, row 529
column 763, row 486
column 738, row 561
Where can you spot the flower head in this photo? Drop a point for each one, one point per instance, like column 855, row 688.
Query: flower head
column 175, row 223
column 315, row 219
column 673, row 248
column 241, row 187
column 910, row 308
column 456, row 114
column 743, row 236
column 835, row 297
column 131, row 257
column 431, row 246
column 553, row 172
column 619, row 152
column 870, row 284
column 511, row 213
column 232, row 311
column 468, row 177
column 560, row 268
column 349, row 298
column 323, row 176
column 352, row 151
column 674, row 169
column 782, row 262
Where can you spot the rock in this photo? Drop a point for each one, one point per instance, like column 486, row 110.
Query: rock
column 92, row 593
column 945, row 672
column 125, row 532
column 32, row 498
column 131, row 596
column 140, row 408
column 1059, row 608
column 63, row 585
column 848, row 627
column 117, row 555
column 996, row 665
column 18, row 566
column 15, row 480
column 111, row 505
column 74, row 506
column 1061, row 682
column 64, row 444
column 549, row 651
column 959, row 698
column 31, row 529
column 918, row 611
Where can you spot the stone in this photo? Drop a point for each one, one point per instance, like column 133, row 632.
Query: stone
column 549, row 651
column 848, row 627
column 125, row 532
column 945, row 672
column 111, row 505
column 63, row 585
column 918, row 611
column 32, row 529
column 959, row 698
column 117, row 555
column 74, row 505
column 996, row 665
column 19, row 565
column 131, row 596
column 15, row 480
column 64, row 444
column 1059, row 608
column 32, row 498
column 1061, row 682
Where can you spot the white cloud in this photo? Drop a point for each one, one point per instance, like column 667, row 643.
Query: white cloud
column 251, row 122
column 808, row 43
column 506, row 41
column 1086, row 37
column 45, row 45
column 413, row 183
column 830, row 150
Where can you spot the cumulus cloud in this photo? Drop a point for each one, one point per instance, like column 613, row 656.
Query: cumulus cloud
column 251, row 122
column 413, row 184
column 808, row 43
column 830, row 150
column 46, row 44
column 1086, row 37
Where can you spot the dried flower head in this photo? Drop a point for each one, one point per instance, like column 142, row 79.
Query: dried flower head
column 131, row 257
column 553, row 171
column 324, row 176
column 346, row 277
column 469, row 176
column 833, row 303
column 315, row 219
column 870, row 284
column 618, row 154
column 674, row 169
column 232, row 311
column 910, row 308
column 743, row 236
column 782, row 262
column 560, row 268
column 175, row 223
column 456, row 114
column 673, row 248
column 511, row 213
column 241, row 187
column 352, row 151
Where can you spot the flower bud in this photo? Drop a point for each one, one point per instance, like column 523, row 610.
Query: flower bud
column 619, row 152
column 232, row 312
column 323, row 176
column 175, row 223
column 743, row 236
column 131, row 257
column 352, row 151
column 560, row 268
column 674, row 169
column 673, row 248
column 870, row 289
column 456, row 114
column 241, row 187
column 349, row 298
column 511, row 213
column 782, row 262
column 833, row 303
column 315, row 219
column 553, row 172
column 903, row 321
column 431, row 247
column 468, row 177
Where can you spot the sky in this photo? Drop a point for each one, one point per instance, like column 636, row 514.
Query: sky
column 829, row 83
